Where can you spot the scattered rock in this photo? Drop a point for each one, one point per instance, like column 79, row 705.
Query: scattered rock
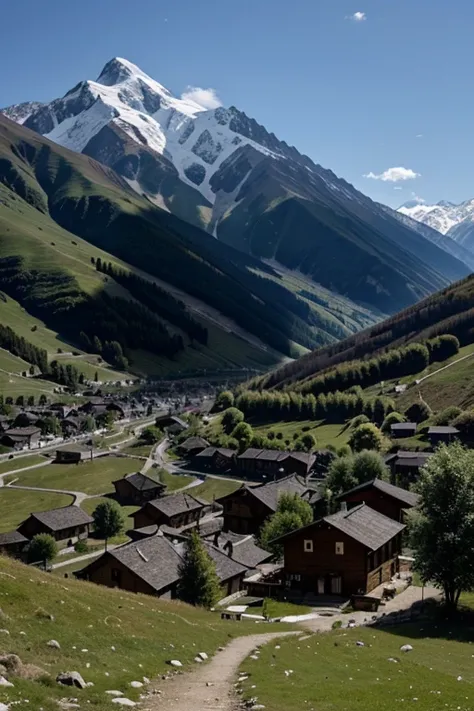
column 54, row 644
column 257, row 707
column 71, row 679
column 3, row 707
column 203, row 656
column 146, row 680
column 3, row 631
column 406, row 648
column 5, row 682
column 221, row 649
column 3, row 670
column 175, row 663
column 198, row 660
column 90, row 683
column 114, row 692
column 122, row 701
column 136, row 684
column 459, row 678
column 254, row 656
column 360, row 644
column 209, row 683
column 392, row 659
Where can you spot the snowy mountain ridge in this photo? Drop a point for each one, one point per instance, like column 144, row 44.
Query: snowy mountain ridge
column 455, row 221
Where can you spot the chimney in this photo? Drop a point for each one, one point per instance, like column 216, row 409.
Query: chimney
column 216, row 538
column 229, row 547
column 343, row 505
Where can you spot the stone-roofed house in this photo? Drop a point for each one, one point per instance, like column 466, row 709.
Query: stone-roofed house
column 387, row 499
column 405, row 466
column 401, row 430
column 174, row 510
column 21, row 437
column 215, row 458
column 13, row 543
column 256, row 463
column 74, row 453
column 247, row 508
column 64, row 524
column 137, row 489
column 446, row 434
column 241, row 548
column 151, row 566
column 192, row 446
column 347, row 553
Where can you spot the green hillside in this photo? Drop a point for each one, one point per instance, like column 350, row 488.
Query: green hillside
column 62, row 215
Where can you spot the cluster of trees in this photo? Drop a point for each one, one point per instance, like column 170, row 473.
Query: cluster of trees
column 67, row 375
column 292, row 513
column 334, row 407
column 20, row 347
column 396, row 363
column 158, row 300
column 351, row 470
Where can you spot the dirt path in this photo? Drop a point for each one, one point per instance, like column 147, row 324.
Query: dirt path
column 210, row 686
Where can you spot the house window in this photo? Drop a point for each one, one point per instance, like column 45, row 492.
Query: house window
column 308, row 546
column 116, row 575
column 340, row 548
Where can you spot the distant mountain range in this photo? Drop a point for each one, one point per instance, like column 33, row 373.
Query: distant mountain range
column 221, row 171
column 454, row 221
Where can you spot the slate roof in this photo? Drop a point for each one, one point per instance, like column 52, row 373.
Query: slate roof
column 194, row 443
column 362, row 523
column 210, row 451
column 65, row 517
column 141, row 482
column 269, row 493
column 409, row 498
column 155, row 560
column 366, row 526
column 400, row 426
column 177, row 504
column 11, row 537
column 443, row 430
column 243, row 549
column 22, row 431
column 226, row 567
column 276, row 455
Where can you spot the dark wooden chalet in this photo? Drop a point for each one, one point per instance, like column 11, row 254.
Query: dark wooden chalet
column 247, row 508
column 171, row 423
column 151, row 567
column 402, row 430
column 215, row 458
column 67, row 523
column 175, row 510
column 137, row 489
column 21, row 437
column 405, row 466
column 387, row 499
column 74, row 454
column 192, row 446
column 348, row 553
column 13, row 543
column 438, row 435
column 258, row 463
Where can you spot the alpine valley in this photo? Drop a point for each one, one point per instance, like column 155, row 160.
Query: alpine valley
column 268, row 252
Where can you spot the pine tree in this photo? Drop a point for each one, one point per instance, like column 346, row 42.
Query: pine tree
column 198, row 583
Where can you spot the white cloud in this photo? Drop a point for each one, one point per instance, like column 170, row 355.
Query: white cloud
column 419, row 135
column 418, row 198
column 398, row 187
column 393, row 175
column 206, row 98
column 357, row 17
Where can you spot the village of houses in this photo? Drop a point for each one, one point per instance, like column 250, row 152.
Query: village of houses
column 355, row 555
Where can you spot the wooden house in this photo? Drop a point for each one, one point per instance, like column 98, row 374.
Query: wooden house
column 192, row 446
column 387, row 499
column 21, row 437
column 137, row 489
column 175, row 510
column 438, row 435
column 273, row 463
column 405, row 466
column 348, row 553
column 215, row 459
column 402, row 430
column 246, row 509
column 151, row 566
column 13, row 543
column 74, row 454
column 64, row 524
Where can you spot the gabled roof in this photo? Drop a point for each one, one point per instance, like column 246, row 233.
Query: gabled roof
column 408, row 498
column 242, row 548
column 448, row 429
column 141, row 482
column 210, row 451
column 268, row 494
column 226, row 567
column 194, row 443
column 65, row 517
column 403, row 426
column 155, row 560
column 363, row 524
column 176, row 504
column 11, row 537
column 22, row 431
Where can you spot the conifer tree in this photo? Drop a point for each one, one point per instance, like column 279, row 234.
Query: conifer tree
column 198, row 583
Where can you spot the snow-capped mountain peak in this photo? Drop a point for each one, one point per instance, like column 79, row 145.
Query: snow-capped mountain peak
column 456, row 221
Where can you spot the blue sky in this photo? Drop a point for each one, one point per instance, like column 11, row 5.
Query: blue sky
column 361, row 86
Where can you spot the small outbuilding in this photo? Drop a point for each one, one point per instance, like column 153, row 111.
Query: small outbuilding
column 438, row 435
column 402, row 430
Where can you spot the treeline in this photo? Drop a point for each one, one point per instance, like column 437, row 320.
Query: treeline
column 20, row 347
column 449, row 311
column 396, row 363
column 117, row 324
column 334, row 407
column 67, row 375
column 157, row 300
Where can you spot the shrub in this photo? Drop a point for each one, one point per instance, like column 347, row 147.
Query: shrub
column 43, row 548
column 418, row 412
column 366, row 436
column 392, row 419
column 446, row 416
column 231, row 418
column 359, row 420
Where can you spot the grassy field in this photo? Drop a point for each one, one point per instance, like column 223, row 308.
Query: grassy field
column 126, row 636
column 138, row 449
column 90, row 504
column 325, row 434
column 89, row 365
column 214, row 488
column 16, row 505
column 331, row 673
column 94, row 477
column 15, row 385
column 11, row 465
column 12, row 363
column 273, row 609
column 173, row 482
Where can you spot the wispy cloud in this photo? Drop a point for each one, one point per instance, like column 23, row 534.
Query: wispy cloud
column 398, row 187
column 357, row 17
column 419, row 135
column 393, row 175
column 207, row 98
column 418, row 198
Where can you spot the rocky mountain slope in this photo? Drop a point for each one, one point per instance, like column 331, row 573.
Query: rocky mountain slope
column 220, row 170
column 454, row 221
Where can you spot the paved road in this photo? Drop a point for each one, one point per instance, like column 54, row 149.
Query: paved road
column 86, row 556
column 209, row 686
